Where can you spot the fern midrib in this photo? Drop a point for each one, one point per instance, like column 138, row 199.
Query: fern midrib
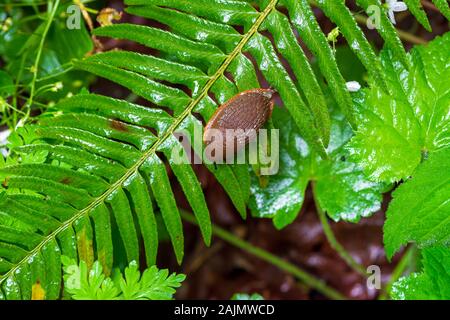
column 169, row 132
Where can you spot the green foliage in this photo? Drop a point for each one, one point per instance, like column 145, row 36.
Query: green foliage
column 420, row 209
column 400, row 129
column 340, row 186
column 90, row 174
column 245, row 296
column 24, row 27
column 84, row 283
column 432, row 283
column 415, row 6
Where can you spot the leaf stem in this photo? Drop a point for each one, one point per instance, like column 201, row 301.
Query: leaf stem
column 59, row 73
column 399, row 269
column 334, row 243
column 282, row 264
column 38, row 59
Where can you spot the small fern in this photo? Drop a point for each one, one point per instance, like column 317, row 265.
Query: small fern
column 83, row 283
column 99, row 165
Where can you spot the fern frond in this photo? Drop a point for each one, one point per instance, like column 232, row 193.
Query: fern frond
column 386, row 29
column 103, row 168
column 341, row 15
column 415, row 6
column 92, row 283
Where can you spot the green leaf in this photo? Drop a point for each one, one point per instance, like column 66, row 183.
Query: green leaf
column 303, row 19
column 245, row 296
column 443, row 6
column 160, row 185
column 86, row 178
column 398, row 131
column 6, row 85
column 386, row 29
column 84, row 283
column 340, row 186
column 433, row 283
column 287, row 44
column 341, row 15
column 415, row 6
column 420, row 210
column 153, row 284
column 268, row 62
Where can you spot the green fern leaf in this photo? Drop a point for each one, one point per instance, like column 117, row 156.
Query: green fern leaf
column 307, row 26
column 386, row 30
column 443, row 7
column 341, row 15
column 415, row 6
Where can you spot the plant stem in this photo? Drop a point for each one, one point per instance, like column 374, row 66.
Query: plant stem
column 59, row 73
column 38, row 58
column 399, row 269
column 304, row 276
column 334, row 243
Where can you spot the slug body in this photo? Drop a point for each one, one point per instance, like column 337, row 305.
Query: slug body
column 237, row 121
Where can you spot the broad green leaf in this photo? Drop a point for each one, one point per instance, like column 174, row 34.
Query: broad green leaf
column 398, row 131
column 340, row 186
column 433, row 283
column 420, row 209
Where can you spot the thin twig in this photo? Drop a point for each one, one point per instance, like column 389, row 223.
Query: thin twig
column 38, row 59
column 300, row 274
column 402, row 34
column 59, row 73
column 399, row 269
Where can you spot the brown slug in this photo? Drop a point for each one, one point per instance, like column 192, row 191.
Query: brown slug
column 242, row 115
